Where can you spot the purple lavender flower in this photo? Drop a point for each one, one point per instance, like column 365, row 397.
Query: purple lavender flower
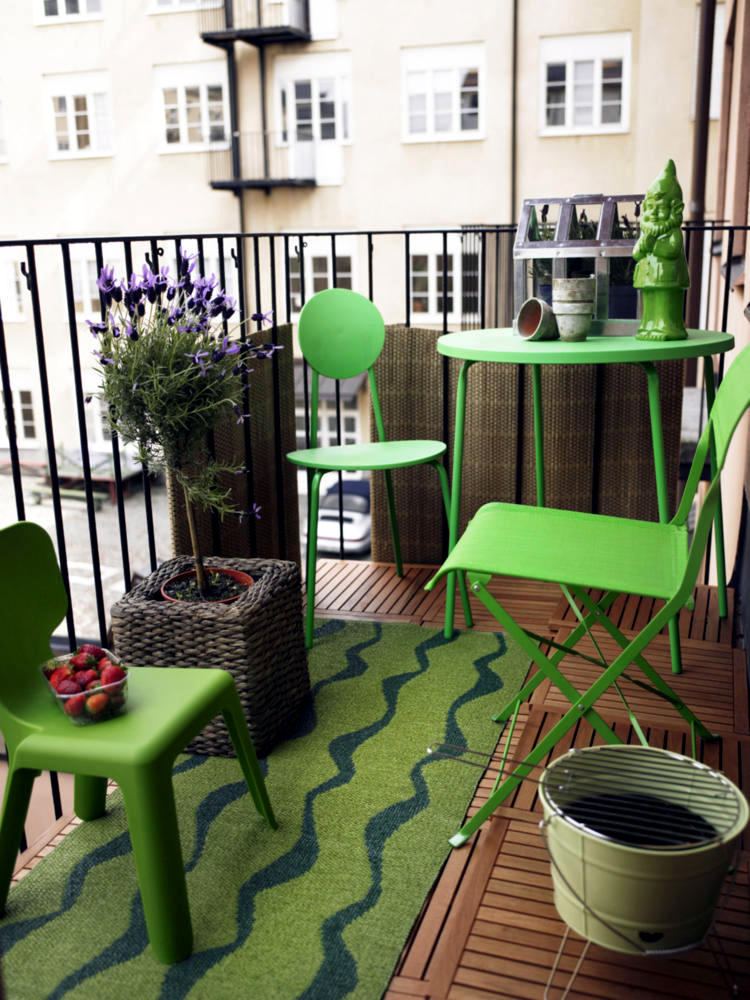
column 261, row 317
column 102, row 359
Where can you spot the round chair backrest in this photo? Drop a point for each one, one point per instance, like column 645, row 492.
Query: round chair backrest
column 341, row 333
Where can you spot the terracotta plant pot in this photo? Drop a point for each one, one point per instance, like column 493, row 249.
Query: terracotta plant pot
column 536, row 321
column 233, row 574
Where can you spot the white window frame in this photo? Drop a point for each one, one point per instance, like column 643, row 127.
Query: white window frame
column 87, row 12
column 327, row 423
column 595, row 48
column 189, row 75
column 316, row 68
column 442, row 66
column 318, row 263
column 20, row 382
column 430, row 245
column 12, row 285
column 94, row 87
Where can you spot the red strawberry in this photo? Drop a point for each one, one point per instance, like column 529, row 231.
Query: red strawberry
column 68, row 686
column 96, row 703
column 59, row 674
column 85, row 677
column 103, row 663
column 94, row 685
column 111, row 674
column 96, row 651
column 82, row 661
column 75, row 706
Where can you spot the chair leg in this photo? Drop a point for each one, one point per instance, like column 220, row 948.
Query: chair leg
column 15, row 806
column 450, row 594
column 234, row 717
column 152, row 822
column 394, row 524
column 312, row 555
column 89, row 796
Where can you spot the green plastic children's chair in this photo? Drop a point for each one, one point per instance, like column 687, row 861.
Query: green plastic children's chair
column 615, row 555
column 341, row 334
column 165, row 709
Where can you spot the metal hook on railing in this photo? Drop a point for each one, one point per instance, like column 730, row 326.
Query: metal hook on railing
column 25, row 273
column 233, row 254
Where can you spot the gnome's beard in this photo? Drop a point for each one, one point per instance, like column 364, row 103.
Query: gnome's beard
column 657, row 229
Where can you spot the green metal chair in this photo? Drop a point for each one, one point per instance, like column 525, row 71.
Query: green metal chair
column 341, row 334
column 616, row 555
column 165, row 709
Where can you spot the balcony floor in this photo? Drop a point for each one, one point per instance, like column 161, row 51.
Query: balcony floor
column 489, row 928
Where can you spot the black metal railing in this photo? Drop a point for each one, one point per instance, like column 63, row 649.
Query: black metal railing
column 219, row 16
column 448, row 279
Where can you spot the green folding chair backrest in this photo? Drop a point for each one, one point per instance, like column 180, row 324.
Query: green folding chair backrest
column 341, row 334
column 35, row 603
column 732, row 400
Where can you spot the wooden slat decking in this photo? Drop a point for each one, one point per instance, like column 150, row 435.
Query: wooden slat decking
column 489, row 930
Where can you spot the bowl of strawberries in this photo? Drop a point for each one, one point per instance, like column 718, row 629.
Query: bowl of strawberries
column 89, row 685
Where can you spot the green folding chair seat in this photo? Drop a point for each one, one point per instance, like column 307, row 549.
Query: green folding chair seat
column 341, row 334
column 165, row 710
column 583, row 552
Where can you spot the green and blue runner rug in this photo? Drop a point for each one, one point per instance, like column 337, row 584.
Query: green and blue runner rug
column 320, row 908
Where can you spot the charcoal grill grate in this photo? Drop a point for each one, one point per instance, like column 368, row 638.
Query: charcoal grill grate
column 628, row 799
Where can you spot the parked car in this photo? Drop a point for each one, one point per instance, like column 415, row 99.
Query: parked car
column 355, row 504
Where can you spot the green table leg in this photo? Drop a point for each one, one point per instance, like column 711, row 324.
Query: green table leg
column 660, row 472
column 721, row 571
column 536, row 382
column 458, row 457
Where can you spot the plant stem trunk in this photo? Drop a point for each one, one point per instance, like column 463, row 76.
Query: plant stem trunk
column 200, row 572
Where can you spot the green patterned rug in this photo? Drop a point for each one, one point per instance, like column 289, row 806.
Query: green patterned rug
column 320, row 908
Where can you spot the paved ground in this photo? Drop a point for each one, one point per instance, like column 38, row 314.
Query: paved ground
column 78, row 545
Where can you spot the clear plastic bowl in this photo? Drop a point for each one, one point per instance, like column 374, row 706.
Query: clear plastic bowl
column 94, row 704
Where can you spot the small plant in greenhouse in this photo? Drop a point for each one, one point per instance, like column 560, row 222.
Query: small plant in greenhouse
column 171, row 368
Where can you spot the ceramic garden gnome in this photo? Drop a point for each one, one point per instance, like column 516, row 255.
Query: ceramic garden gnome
column 661, row 268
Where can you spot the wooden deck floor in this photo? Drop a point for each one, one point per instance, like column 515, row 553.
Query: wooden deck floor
column 489, row 930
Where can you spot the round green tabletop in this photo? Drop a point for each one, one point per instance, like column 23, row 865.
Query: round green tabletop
column 505, row 345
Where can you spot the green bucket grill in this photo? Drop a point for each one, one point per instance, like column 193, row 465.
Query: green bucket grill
column 641, row 840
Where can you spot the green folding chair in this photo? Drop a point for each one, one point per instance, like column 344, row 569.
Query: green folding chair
column 615, row 555
column 341, row 334
column 165, row 710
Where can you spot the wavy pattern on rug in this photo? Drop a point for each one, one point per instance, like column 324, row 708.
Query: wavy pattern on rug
column 320, row 908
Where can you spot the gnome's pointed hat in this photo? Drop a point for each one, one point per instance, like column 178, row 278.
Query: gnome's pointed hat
column 667, row 183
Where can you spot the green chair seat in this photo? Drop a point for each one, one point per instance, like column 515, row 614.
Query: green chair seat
column 375, row 455
column 587, row 550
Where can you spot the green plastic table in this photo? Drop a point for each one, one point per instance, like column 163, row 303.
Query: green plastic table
column 507, row 347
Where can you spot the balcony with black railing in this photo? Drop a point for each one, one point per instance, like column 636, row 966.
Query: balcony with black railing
column 263, row 160
column 257, row 22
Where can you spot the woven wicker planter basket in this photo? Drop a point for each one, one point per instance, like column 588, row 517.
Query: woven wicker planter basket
column 258, row 638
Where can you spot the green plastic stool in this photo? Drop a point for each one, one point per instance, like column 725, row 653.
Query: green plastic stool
column 165, row 709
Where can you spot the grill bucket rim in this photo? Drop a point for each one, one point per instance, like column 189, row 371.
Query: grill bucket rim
column 732, row 829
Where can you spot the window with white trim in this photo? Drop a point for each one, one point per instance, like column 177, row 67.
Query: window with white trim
column 585, row 84
column 57, row 11
column 318, row 267
column 12, row 285
column 327, row 425
column 193, row 106
column 438, row 281
column 441, row 93
column 313, row 94
column 24, row 415
column 80, row 116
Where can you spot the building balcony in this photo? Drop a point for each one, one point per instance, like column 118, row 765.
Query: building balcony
column 489, row 926
column 262, row 161
column 257, row 22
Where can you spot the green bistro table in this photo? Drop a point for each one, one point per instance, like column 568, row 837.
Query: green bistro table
column 506, row 347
